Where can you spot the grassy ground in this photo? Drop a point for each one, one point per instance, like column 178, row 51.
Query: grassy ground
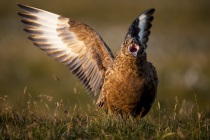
column 36, row 120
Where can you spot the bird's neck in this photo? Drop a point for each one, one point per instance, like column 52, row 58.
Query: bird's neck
column 128, row 61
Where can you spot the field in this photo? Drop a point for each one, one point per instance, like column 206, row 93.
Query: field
column 35, row 120
column 41, row 99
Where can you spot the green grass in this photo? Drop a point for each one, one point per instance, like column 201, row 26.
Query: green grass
column 35, row 118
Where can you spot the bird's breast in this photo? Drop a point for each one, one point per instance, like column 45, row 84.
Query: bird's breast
column 123, row 86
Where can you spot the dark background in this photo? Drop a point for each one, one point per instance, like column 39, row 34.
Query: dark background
column 178, row 47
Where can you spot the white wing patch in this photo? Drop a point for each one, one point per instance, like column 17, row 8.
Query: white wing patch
column 142, row 24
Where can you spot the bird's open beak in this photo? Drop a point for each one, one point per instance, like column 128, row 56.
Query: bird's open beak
column 134, row 48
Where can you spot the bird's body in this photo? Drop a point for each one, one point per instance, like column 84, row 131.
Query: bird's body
column 127, row 83
column 129, row 86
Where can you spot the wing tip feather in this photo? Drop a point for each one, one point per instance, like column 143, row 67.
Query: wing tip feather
column 149, row 11
column 27, row 8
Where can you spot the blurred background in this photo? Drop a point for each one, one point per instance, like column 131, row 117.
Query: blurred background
column 179, row 47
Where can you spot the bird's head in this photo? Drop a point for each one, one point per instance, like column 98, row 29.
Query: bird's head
column 133, row 46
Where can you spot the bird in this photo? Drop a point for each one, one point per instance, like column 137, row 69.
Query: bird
column 126, row 84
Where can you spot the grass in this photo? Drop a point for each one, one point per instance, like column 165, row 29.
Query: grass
column 34, row 118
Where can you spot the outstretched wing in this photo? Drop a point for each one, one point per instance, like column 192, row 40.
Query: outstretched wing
column 72, row 43
column 140, row 28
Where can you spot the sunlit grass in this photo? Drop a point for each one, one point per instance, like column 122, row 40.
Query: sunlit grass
column 35, row 118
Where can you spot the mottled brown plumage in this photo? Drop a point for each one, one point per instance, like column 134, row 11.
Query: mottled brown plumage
column 130, row 84
column 127, row 83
